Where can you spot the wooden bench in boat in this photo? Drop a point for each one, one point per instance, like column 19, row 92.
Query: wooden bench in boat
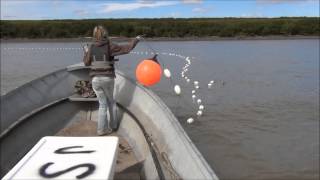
column 77, row 97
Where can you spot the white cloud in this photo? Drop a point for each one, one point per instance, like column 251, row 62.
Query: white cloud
column 284, row 1
column 252, row 15
column 12, row 9
column 175, row 15
column 191, row 1
column 144, row 1
column 199, row 10
column 9, row 17
column 81, row 12
column 112, row 7
column 56, row 2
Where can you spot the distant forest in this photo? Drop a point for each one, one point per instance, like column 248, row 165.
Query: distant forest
column 167, row 27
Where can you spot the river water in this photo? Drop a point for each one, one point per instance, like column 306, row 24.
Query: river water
column 261, row 116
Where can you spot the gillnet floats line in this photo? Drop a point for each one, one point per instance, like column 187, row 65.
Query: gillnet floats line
column 177, row 88
column 196, row 100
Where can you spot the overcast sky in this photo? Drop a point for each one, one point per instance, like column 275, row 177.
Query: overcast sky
column 89, row 9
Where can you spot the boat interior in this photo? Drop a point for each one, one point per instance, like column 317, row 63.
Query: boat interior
column 153, row 145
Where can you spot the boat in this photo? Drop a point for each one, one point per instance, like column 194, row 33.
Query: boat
column 153, row 144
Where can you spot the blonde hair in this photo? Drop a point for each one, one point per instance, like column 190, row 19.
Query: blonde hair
column 100, row 33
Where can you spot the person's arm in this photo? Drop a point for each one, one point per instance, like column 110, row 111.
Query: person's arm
column 117, row 50
column 86, row 59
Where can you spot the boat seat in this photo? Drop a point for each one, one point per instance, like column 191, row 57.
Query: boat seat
column 77, row 97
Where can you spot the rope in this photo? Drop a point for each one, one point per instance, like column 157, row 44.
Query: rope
column 172, row 82
column 146, row 43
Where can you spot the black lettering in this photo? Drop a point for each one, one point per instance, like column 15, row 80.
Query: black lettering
column 89, row 171
column 64, row 150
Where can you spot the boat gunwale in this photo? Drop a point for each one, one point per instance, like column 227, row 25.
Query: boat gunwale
column 173, row 120
column 27, row 84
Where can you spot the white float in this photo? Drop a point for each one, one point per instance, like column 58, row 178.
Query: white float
column 190, row 120
column 193, row 96
column 199, row 113
column 167, row 73
column 177, row 89
column 199, row 101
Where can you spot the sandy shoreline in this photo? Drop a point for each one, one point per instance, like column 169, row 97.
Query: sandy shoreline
column 214, row 38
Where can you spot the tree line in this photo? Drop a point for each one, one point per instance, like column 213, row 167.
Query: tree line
column 165, row 27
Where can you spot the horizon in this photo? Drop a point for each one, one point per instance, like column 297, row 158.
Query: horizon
column 284, row 17
column 155, row 9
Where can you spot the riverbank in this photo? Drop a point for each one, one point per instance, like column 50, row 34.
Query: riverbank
column 211, row 38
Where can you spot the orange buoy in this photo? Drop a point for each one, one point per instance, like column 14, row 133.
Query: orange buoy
column 148, row 72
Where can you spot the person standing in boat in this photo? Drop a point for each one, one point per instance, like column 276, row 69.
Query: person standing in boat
column 100, row 57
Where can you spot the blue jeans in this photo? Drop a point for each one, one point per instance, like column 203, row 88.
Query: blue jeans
column 107, row 118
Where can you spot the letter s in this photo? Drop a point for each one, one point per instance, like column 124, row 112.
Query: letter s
column 90, row 170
